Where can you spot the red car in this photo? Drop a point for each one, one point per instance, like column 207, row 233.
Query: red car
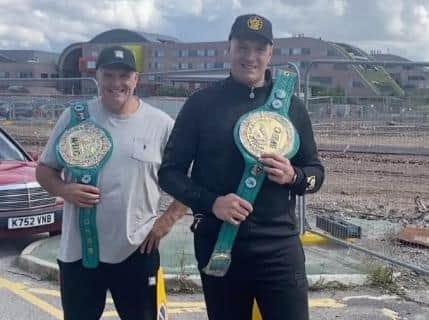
column 25, row 207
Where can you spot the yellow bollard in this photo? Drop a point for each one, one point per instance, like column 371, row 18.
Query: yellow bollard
column 256, row 314
column 161, row 299
column 312, row 239
column 161, row 296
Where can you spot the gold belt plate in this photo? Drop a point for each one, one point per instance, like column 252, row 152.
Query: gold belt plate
column 84, row 145
column 266, row 132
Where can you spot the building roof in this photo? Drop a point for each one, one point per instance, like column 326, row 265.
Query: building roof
column 389, row 57
column 353, row 51
column 202, row 77
column 4, row 58
column 124, row 35
column 25, row 56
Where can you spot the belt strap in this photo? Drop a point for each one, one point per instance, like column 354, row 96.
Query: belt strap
column 79, row 116
column 254, row 174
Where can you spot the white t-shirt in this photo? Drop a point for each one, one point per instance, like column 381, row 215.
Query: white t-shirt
column 128, row 181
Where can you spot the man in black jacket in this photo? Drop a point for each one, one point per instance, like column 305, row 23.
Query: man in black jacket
column 267, row 256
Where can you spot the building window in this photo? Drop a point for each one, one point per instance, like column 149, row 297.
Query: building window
column 305, row 51
column 341, row 66
column 227, row 65
column 192, row 53
column 185, row 65
column 416, row 78
column 54, row 75
column 211, row 52
column 159, row 53
column 357, row 84
column 175, row 66
column 331, row 52
column 321, row 80
column 225, row 52
column 183, row 53
column 296, row 52
column 25, row 74
column 210, row 65
column 410, row 86
column 44, row 75
column 284, row 51
column 201, row 52
column 4, row 74
column 155, row 65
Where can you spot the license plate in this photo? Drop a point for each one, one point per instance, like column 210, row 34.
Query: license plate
column 30, row 221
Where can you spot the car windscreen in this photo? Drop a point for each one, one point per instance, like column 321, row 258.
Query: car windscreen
column 9, row 151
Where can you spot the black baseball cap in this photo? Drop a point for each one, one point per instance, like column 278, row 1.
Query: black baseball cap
column 116, row 57
column 252, row 26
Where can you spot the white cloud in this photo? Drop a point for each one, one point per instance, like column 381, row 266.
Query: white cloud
column 393, row 10
column 402, row 26
column 236, row 4
column 339, row 7
column 420, row 27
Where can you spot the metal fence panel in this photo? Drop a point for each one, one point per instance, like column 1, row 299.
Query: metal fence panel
column 29, row 108
column 375, row 149
column 376, row 154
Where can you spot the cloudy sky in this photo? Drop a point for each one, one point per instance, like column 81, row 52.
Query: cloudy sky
column 395, row 26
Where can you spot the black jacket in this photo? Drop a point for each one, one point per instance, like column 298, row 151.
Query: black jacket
column 203, row 134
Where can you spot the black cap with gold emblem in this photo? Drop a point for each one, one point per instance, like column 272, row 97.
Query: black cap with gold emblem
column 251, row 26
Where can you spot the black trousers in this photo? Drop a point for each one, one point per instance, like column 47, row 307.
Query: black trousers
column 272, row 271
column 132, row 284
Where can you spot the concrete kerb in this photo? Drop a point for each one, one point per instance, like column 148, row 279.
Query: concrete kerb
column 32, row 264
column 174, row 282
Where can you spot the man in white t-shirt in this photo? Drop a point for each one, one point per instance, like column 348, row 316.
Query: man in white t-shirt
column 126, row 199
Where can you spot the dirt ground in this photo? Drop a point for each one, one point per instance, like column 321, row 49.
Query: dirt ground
column 380, row 185
column 411, row 135
column 372, row 184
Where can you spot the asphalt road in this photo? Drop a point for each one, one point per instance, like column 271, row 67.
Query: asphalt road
column 24, row 296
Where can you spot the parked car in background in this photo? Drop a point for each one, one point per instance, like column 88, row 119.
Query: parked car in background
column 50, row 110
column 16, row 110
column 22, row 110
column 25, row 207
column 5, row 109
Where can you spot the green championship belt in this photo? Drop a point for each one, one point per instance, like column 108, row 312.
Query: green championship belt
column 267, row 129
column 82, row 149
